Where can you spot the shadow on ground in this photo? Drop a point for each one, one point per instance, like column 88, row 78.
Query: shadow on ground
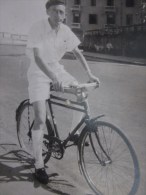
column 17, row 166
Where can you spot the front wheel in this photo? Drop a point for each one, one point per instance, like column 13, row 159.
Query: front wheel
column 109, row 164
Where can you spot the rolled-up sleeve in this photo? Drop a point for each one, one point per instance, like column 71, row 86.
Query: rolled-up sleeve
column 34, row 37
column 72, row 41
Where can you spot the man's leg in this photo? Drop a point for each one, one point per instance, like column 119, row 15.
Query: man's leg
column 37, row 138
column 77, row 117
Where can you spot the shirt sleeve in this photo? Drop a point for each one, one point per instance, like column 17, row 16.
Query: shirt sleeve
column 34, row 37
column 72, row 41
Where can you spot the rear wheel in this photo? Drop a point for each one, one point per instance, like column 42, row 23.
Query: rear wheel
column 109, row 164
column 25, row 120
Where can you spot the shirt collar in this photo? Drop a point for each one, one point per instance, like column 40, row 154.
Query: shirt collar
column 49, row 28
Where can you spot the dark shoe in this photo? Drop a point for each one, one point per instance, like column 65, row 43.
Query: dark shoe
column 41, row 176
column 75, row 139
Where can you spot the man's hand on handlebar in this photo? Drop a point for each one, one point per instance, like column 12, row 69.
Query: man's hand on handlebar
column 93, row 78
column 56, row 85
column 59, row 86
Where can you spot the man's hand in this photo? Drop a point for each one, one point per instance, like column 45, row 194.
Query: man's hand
column 73, row 84
column 57, row 86
column 93, row 78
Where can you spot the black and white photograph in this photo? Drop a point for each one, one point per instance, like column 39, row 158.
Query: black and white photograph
column 72, row 97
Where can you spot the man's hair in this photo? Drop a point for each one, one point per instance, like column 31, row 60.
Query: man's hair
column 54, row 2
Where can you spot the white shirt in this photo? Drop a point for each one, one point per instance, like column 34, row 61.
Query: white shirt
column 52, row 45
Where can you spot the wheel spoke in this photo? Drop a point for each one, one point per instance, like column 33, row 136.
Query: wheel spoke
column 109, row 176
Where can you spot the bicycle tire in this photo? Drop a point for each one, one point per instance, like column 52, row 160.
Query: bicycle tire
column 25, row 118
column 119, row 171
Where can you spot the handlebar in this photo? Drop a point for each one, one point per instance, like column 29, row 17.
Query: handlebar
column 84, row 87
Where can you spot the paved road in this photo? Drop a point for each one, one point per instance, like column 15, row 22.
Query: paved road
column 121, row 97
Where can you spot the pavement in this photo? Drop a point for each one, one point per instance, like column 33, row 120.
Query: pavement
column 16, row 167
column 118, row 59
column 6, row 50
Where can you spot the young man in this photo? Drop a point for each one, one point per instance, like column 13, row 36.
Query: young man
column 48, row 41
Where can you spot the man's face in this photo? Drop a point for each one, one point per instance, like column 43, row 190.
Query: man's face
column 57, row 14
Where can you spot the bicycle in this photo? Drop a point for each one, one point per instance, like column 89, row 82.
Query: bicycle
column 109, row 163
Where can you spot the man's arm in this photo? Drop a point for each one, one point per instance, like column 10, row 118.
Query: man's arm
column 45, row 68
column 78, row 54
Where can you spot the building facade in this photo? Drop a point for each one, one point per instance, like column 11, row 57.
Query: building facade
column 85, row 15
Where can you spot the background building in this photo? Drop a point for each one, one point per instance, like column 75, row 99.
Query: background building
column 84, row 15
column 17, row 16
column 118, row 23
column 96, row 22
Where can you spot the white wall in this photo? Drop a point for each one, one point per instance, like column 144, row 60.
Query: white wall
column 16, row 16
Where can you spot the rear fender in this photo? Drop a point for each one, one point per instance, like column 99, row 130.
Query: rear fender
column 19, row 108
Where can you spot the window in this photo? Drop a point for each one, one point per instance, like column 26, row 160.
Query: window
column 110, row 18
column 130, row 3
column 129, row 19
column 77, row 2
column 93, row 2
column 92, row 18
column 110, row 2
column 76, row 18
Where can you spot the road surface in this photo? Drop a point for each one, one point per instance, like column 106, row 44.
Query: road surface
column 121, row 96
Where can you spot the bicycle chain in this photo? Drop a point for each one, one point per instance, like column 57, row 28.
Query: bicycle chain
column 57, row 148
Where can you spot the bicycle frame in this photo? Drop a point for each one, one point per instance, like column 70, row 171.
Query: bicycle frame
column 54, row 147
column 81, row 105
column 69, row 104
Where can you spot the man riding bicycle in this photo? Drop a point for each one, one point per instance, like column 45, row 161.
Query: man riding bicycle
column 48, row 41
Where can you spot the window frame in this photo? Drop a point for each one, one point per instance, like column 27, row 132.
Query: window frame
column 130, row 3
column 93, row 2
column 77, row 2
column 110, row 2
column 108, row 19
column 93, row 19
column 130, row 19
column 75, row 17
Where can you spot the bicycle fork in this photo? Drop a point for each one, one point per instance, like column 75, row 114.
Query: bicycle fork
column 92, row 127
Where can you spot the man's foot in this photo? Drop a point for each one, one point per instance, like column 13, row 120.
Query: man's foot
column 75, row 139
column 41, row 176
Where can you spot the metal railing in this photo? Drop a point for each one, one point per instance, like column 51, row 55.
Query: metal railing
column 110, row 8
column 76, row 8
column 117, row 30
column 125, row 40
column 76, row 25
column 19, row 37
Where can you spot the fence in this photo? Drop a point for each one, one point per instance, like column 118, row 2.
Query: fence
column 127, row 40
column 9, row 38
